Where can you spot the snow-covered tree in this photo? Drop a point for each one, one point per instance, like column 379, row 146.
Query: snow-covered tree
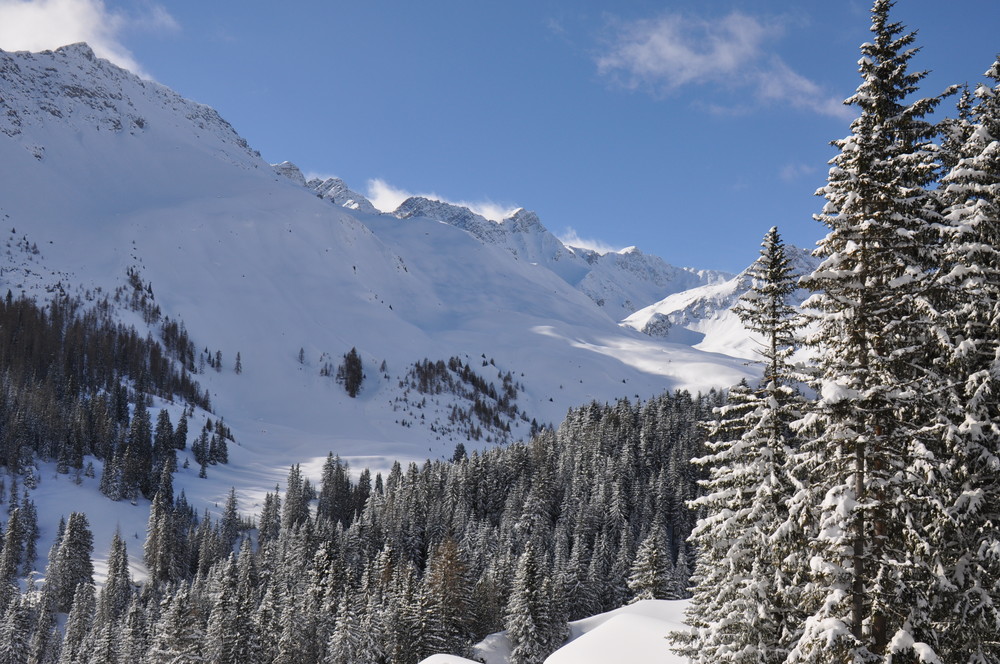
column 966, row 538
column 533, row 622
column 81, row 617
column 652, row 573
column 873, row 461
column 742, row 609
column 179, row 636
column 15, row 633
column 71, row 565
column 117, row 590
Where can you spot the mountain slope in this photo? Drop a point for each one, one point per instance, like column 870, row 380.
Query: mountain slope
column 618, row 282
column 702, row 316
column 110, row 176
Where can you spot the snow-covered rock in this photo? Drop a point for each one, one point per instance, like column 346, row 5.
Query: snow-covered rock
column 337, row 192
column 290, row 171
column 623, row 281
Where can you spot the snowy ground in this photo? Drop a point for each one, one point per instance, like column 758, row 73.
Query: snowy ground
column 635, row 634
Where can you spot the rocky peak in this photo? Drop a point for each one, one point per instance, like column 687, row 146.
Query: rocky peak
column 456, row 215
column 337, row 192
column 290, row 171
column 524, row 221
column 72, row 88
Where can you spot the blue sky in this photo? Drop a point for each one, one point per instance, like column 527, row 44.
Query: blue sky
column 685, row 128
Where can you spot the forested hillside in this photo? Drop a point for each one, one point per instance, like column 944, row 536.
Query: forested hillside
column 429, row 558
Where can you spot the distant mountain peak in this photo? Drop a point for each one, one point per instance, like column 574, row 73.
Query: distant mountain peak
column 337, row 192
column 702, row 316
column 290, row 171
column 523, row 220
column 449, row 213
column 72, row 88
column 78, row 49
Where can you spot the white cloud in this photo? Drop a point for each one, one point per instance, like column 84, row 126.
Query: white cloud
column 384, row 196
column 571, row 238
column 792, row 172
column 673, row 51
column 37, row 25
column 387, row 198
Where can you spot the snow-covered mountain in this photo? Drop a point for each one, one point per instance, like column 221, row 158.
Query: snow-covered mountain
column 619, row 282
column 702, row 316
column 108, row 179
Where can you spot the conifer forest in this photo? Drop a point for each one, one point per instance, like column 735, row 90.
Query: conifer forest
column 844, row 508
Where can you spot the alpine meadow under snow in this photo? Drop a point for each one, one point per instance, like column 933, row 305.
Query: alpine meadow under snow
column 247, row 417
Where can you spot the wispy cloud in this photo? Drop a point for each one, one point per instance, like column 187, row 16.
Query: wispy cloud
column 793, row 172
column 387, row 198
column 673, row 51
column 571, row 238
column 36, row 25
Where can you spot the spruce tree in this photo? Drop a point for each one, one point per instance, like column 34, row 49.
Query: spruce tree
column 72, row 564
column 651, row 576
column 533, row 622
column 742, row 610
column 869, row 597
column 449, row 589
column 15, row 632
column 179, row 634
column 78, row 624
column 966, row 539
column 117, row 590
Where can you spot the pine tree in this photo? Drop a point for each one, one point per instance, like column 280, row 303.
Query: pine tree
column 532, row 622
column 345, row 642
column 81, row 616
column 71, row 565
column 163, row 440
column 967, row 598
column 10, row 555
column 15, row 633
column 179, row 633
column 117, row 590
column 743, row 604
column 296, row 508
column 229, row 527
column 652, row 572
column 449, row 591
column 221, row 637
column 30, row 533
column 105, row 644
column 137, row 456
column 351, row 373
column 869, row 597
column 160, row 550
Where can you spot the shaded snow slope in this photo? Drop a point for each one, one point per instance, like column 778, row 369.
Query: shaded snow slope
column 702, row 316
column 623, row 281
